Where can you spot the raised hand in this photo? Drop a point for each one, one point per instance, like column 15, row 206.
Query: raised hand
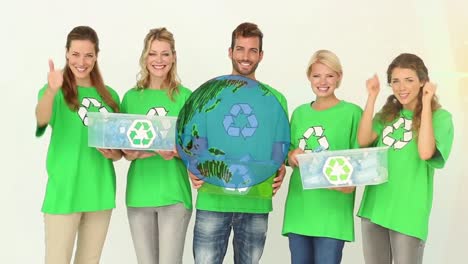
column 54, row 78
column 373, row 86
column 429, row 90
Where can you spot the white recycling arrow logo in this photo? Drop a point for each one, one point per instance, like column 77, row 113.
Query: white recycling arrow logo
column 407, row 134
column 317, row 132
column 86, row 103
column 161, row 111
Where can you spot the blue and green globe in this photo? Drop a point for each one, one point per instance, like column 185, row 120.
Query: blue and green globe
column 233, row 132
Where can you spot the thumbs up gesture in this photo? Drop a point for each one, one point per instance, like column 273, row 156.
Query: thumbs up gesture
column 54, row 78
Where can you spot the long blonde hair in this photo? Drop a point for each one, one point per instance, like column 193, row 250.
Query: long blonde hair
column 172, row 81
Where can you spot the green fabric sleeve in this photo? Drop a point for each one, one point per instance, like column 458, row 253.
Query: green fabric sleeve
column 40, row 130
column 443, row 133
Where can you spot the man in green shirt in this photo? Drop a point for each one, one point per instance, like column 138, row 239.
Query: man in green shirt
column 246, row 215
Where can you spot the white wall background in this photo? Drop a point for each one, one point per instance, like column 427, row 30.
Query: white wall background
column 366, row 35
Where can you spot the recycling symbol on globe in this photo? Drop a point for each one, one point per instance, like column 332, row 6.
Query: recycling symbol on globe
column 403, row 123
column 337, row 170
column 86, row 103
column 317, row 132
column 141, row 133
column 241, row 121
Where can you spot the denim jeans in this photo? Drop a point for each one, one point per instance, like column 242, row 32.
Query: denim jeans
column 212, row 231
column 315, row 250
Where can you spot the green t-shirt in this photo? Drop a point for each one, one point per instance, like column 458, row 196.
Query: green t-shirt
column 242, row 202
column 403, row 204
column 155, row 181
column 80, row 178
column 321, row 212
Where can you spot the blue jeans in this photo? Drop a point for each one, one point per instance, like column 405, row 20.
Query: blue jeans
column 315, row 250
column 212, row 231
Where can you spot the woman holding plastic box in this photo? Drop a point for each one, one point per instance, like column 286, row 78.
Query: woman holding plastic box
column 419, row 134
column 318, row 222
column 159, row 198
column 80, row 192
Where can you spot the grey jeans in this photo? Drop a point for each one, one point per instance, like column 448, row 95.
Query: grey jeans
column 158, row 233
column 381, row 245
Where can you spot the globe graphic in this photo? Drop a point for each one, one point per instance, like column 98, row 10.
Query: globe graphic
column 233, row 132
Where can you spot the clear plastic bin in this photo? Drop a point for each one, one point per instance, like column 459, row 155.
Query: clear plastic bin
column 352, row 167
column 127, row 131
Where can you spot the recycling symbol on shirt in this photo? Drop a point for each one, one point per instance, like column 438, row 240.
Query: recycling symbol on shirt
column 165, row 123
column 337, row 170
column 141, row 133
column 240, row 121
column 86, row 103
column 403, row 123
column 316, row 132
column 157, row 111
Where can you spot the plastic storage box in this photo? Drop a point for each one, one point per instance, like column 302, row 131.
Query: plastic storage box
column 352, row 167
column 127, row 131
